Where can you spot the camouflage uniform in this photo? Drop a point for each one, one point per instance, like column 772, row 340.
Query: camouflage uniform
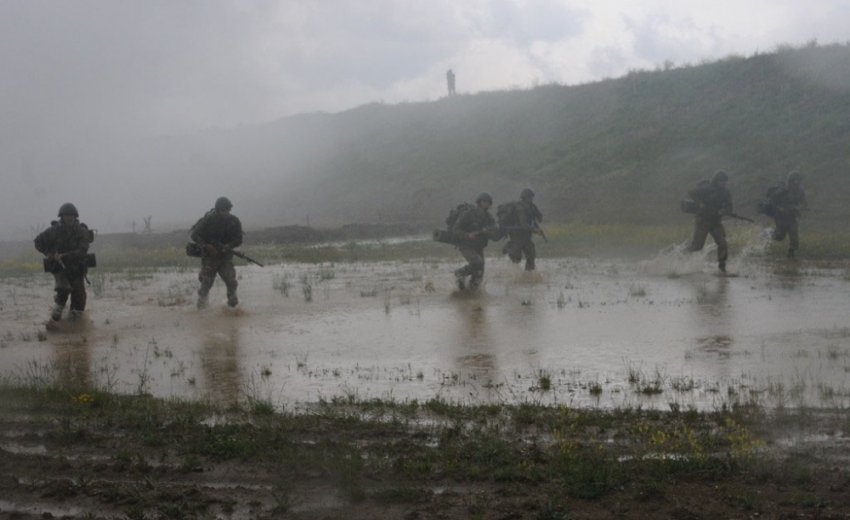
column 73, row 243
column 216, row 229
column 787, row 202
column 520, row 239
column 715, row 201
column 475, row 220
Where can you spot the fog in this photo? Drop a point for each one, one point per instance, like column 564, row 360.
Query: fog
column 138, row 109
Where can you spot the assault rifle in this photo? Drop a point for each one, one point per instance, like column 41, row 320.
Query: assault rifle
column 195, row 250
column 219, row 246
column 540, row 229
column 739, row 217
column 691, row 206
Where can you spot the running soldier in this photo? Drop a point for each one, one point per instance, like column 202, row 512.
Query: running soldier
column 525, row 223
column 472, row 232
column 713, row 201
column 218, row 233
column 65, row 244
column 787, row 202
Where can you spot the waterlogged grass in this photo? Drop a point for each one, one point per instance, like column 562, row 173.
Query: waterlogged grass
column 586, row 453
column 389, row 453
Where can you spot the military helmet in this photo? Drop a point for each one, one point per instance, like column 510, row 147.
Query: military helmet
column 719, row 176
column 795, row 176
column 68, row 209
column 484, row 196
column 223, row 204
column 525, row 193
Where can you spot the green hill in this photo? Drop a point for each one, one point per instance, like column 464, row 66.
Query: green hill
column 620, row 150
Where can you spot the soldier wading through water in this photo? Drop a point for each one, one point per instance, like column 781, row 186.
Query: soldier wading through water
column 713, row 201
column 524, row 221
column 65, row 244
column 787, row 202
column 472, row 231
column 218, row 233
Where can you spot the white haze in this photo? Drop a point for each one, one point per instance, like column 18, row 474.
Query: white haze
column 138, row 108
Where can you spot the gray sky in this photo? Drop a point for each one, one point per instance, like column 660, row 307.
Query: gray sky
column 83, row 75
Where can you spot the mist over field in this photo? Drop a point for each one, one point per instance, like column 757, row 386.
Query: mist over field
column 305, row 115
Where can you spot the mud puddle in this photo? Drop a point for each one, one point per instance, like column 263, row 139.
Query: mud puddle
column 667, row 333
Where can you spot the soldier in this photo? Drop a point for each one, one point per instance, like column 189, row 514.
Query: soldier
column 787, row 203
column 713, row 201
column 526, row 220
column 450, row 80
column 65, row 244
column 472, row 231
column 218, row 233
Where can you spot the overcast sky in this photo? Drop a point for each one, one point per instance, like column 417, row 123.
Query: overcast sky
column 167, row 66
column 116, row 68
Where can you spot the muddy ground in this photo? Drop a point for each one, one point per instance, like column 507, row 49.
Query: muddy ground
column 666, row 338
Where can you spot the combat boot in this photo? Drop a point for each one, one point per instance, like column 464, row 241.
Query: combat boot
column 74, row 315
column 722, row 266
column 56, row 313
column 459, row 279
column 202, row 303
column 790, row 254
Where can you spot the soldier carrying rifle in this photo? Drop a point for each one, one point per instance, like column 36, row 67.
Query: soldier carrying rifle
column 217, row 233
column 713, row 201
column 65, row 245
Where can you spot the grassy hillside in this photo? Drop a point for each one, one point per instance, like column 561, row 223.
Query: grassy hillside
column 621, row 150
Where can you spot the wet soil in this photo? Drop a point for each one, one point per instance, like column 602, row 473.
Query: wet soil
column 95, row 459
column 666, row 335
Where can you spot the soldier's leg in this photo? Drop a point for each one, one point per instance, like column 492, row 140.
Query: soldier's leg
column 514, row 247
column 63, row 290
column 78, row 297
column 530, row 255
column 780, row 230
column 700, row 233
column 207, row 278
column 718, row 233
column 228, row 274
column 461, row 274
column 794, row 237
column 476, row 265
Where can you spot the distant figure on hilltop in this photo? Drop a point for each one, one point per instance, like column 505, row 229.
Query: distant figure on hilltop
column 450, row 79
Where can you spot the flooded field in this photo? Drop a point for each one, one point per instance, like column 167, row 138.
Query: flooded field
column 664, row 334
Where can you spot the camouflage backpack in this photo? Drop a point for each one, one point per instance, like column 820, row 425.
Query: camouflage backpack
column 507, row 214
column 455, row 213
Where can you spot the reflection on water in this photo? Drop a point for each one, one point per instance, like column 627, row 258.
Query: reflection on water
column 699, row 338
column 220, row 362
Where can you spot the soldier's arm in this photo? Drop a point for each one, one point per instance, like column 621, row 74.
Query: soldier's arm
column 78, row 254
column 727, row 208
column 198, row 232
column 43, row 242
column 460, row 230
column 537, row 214
column 237, row 241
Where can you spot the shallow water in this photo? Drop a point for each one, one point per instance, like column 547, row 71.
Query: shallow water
column 655, row 334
